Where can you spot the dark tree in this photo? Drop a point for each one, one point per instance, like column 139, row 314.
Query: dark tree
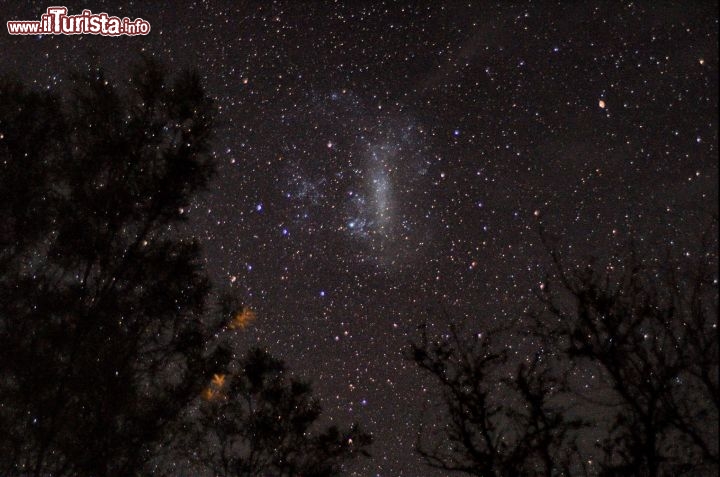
column 107, row 344
column 257, row 420
column 496, row 418
column 101, row 302
column 645, row 329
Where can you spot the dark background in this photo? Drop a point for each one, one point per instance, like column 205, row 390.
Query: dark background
column 381, row 163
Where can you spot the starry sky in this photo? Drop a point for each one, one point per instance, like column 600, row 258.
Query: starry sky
column 379, row 162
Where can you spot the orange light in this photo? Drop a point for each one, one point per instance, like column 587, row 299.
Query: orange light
column 209, row 394
column 243, row 319
column 218, row 380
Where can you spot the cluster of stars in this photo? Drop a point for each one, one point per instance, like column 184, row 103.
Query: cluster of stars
column 380, row 160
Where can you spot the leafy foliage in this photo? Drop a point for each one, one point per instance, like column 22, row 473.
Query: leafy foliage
column 260, row 421
column 98, row 300
column 106, row 338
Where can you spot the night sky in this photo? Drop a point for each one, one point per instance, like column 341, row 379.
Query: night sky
column 383, row 164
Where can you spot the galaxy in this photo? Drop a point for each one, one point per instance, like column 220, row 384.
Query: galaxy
column 381, row 165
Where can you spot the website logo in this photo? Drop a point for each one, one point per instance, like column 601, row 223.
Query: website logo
column 57, row 22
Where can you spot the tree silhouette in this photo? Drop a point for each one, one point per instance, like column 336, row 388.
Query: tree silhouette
column 106, row 339
column 646, row 329
column 101, row 330
column 256, row 420
column 496, row 419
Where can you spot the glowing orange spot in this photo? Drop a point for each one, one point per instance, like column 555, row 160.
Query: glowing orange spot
column 218, row 380
column 243, row 319
column 209, row 394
